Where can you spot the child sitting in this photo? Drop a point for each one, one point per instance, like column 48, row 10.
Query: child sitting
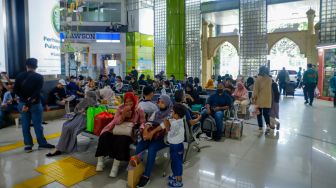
column 175, row 128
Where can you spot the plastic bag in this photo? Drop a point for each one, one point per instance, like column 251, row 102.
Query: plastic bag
column 254, row 110
column 317, row 93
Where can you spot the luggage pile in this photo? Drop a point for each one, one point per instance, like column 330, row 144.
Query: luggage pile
column 234, row 126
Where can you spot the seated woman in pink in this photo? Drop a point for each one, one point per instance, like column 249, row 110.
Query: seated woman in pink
column 241, row 97
column 117, row 147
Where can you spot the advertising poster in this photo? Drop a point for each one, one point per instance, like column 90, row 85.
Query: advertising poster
column 44, row 32
column 2, row 41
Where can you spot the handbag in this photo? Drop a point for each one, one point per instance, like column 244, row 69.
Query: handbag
column 124, row 129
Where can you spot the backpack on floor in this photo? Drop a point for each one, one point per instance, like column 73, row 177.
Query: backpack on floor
column 209, row 127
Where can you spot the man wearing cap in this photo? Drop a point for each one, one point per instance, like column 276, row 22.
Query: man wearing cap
column 59, row 96
column 28, row 87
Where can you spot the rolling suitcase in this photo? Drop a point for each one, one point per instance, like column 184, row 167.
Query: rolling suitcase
column 234, row 126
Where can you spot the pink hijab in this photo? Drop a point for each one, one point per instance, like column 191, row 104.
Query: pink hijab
column 240, row 91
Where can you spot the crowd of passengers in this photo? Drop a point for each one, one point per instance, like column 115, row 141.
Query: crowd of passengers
column 175, row 101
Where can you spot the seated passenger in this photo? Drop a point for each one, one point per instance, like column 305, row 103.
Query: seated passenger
column 134, row 84
column 197, row 85
column 191, row 117
column 107, row 94
column 215, row 106
column 149, row 80
column 166, row 88
column 192, row 95
column 117, row 147
column 68, row 140
column 9, row 103
column 241, row 97
column 153, row 144
column 172, row 79
column 228, row 87
column 58, row 96
column 142, row 81
column 146, row 104
column 119, row 85
column 73, row 88
column 210, row 84
column 104, row 82
column 91, row 85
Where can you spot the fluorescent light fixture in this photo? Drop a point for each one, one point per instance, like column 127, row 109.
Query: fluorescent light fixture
column 327, row 46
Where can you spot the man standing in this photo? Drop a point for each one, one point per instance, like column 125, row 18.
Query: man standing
column 282, row 78
column 28, row 87
column 310, row 78
column 332, row 84
column 299, row 78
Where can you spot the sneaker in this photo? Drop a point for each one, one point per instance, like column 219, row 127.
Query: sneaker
column 171, row 178
column 143, row 182
column 306, row 102
column 175, row 184
column 47, row 146
column 28, row 149
column 261, row 130
column 310, row 104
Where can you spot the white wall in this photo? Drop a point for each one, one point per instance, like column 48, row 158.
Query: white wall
column 141, row 20
column 2, row 39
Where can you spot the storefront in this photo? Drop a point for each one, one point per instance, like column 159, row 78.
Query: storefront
column 93, row 54
column 326, row 69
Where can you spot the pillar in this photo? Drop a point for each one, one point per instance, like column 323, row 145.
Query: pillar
column 15, row 36
column 311, row 51
column 175, row 38
column 204, row 47
column 311, row 16
column 211, row 26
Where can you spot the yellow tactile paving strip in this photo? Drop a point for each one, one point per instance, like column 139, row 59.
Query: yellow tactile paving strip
column 68, row 171
column 21, row 144
column 36, row 182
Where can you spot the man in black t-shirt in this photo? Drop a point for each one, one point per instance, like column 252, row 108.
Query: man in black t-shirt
column 28, row 87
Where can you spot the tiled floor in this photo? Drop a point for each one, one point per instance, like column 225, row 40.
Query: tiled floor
column 302, row 154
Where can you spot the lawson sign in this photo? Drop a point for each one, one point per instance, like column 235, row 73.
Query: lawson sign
column 90, row 37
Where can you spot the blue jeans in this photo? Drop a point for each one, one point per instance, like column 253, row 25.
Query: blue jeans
column 153, row 147
column 34, row 114
column 219, row 117
column 176, row 156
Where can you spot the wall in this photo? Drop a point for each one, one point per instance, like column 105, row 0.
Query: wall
column 140, row 53
column 141, row 20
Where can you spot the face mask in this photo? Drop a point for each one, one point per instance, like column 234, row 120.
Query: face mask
column 220, row 90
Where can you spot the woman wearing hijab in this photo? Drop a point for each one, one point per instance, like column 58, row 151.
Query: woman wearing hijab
column 149, row 142
column 68, row 140
column 117, row 147
column 262, row 97
column 241, row 97
column 210, row 84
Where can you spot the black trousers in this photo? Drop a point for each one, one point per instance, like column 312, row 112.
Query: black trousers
column 282, row 88
column 263, row 112
column 308, row 91
column 335, row 99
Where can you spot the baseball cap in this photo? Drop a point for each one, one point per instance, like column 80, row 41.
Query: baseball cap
column 61, row 81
